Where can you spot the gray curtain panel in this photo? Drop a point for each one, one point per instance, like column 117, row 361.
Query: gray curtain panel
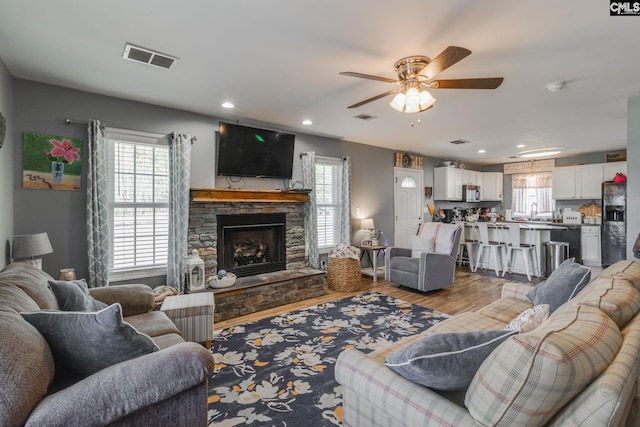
column 179, row 173
column 311, row 211
column 345, row 203
column 97, row 206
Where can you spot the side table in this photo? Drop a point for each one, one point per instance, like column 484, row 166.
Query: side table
column 372, row 253
column 193, row 315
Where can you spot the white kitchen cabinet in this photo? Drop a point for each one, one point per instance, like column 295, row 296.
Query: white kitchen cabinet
column 564, row 183
column 470, row 177
column 491, row 185
column 589, row 181
column 590, row 245
column 612, row 168
column 447, row 183
column 578, row 182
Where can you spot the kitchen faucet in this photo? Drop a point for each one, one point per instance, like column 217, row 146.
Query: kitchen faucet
column 534, row 212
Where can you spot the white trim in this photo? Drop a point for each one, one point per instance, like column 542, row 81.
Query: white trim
column 126, row 135
column 329, row 160
column 137, row 273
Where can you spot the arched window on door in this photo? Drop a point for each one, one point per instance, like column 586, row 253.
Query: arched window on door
column 408, row 182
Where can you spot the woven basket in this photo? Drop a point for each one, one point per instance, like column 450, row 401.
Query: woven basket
column 343, row 274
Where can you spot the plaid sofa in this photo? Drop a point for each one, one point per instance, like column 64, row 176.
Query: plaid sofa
column 579, row 368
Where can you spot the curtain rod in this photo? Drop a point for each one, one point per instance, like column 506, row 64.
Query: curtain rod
column 69, row 121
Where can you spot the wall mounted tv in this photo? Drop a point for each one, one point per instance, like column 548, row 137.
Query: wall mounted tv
column 252, row 152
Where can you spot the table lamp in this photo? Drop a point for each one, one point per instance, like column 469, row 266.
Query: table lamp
column 367, row 224
column 26, row 247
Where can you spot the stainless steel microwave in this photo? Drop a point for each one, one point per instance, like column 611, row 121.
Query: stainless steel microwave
column 470, row 193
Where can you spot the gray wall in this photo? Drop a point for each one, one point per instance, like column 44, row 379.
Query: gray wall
column 42, row 108
column 6, row 167
column 633, row 174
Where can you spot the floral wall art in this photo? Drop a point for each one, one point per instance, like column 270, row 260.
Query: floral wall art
column 51, row 162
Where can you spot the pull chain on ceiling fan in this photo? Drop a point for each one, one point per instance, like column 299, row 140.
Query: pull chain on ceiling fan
column 415, row 73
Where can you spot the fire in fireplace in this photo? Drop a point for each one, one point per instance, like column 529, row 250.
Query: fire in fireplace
column 250, row 244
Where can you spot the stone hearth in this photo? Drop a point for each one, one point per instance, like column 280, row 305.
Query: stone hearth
column 268, row 290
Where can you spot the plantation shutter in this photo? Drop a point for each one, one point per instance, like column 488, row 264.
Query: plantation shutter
column 328, row 175
column 138, row 201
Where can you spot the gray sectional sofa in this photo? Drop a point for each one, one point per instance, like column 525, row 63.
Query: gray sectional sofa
column 167, row 386
column 579, row 367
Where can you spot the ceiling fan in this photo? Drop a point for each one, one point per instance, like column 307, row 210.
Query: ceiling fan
column 416, row 73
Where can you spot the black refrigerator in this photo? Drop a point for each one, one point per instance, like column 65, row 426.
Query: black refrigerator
column 614, row 225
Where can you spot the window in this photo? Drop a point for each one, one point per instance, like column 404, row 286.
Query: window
column 328, row 177
column 408, row 182
column 138, row 205
column 531, row 193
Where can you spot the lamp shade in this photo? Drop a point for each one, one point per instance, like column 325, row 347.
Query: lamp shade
column 367, row 224
column 30, row 245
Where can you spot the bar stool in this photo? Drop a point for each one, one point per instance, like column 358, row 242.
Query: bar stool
column 468, row 245
column 528, row 250
column 495, row 248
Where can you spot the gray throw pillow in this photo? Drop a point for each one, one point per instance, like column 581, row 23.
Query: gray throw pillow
column 83, row 343
column 73, row 295
column 448, row 361
column 563, row 284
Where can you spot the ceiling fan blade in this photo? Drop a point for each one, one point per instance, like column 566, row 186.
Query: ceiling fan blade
column 482, row 83
column 373, row 98
column 368, row 76
column 444, row 60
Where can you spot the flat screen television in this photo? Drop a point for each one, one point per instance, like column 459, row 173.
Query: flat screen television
column 252, row 152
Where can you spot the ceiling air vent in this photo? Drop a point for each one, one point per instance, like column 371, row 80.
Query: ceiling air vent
column 148, row 56
column 459, row 141
column 365, row 117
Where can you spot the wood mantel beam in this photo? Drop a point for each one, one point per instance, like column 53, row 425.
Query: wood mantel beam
column 242, row 195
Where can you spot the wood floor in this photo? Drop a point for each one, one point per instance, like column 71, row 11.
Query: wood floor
column 469, row 292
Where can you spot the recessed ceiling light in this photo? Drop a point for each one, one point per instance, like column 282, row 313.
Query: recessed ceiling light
column 482, row 151
column 227, row 105
column 307, row 122
column 541, row 152
column 520, row 145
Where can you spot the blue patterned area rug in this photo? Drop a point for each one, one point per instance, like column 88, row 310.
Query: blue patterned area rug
column 279, row 371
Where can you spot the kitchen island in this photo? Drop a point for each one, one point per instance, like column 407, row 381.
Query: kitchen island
column 536, row 233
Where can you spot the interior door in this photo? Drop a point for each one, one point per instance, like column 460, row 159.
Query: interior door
column 408, row 200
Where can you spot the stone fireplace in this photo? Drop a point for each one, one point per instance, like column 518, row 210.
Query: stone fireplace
column 258, row 235
column 210, row 209
column 250, row 244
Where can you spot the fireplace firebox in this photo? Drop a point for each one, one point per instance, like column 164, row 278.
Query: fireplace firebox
column 250, row 244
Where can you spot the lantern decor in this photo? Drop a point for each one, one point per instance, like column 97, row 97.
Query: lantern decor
column 194, row 272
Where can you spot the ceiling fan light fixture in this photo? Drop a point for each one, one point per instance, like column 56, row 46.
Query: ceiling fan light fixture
column 426, row 100
column 398, row 102
column 412, row 98
column 412, row 108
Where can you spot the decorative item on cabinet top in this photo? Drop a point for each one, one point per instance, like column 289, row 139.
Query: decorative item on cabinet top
column 406, row 160
column 531, row 166
column 617, row 157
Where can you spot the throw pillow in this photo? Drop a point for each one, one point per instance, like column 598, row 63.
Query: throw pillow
column 532, row 376
column 563, row 284
column 444, row 238
column 74, row 295
column 529, row 319
column 446, row 361
column 83, row 343
column 420, row 244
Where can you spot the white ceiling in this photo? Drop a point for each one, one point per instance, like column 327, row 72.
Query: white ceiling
column 278, row 62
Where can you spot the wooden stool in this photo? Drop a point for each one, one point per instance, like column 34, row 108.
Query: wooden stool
column 193, row 315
